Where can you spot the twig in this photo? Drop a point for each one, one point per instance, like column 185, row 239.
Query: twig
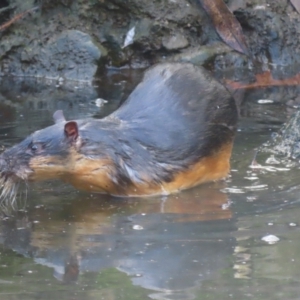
column 16, row 18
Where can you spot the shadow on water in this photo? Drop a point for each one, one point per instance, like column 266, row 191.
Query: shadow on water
column 204, row 243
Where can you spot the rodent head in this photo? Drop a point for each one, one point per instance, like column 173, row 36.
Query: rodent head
column 40, row 156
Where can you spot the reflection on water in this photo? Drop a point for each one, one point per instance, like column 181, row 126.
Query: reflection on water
column 204, row 243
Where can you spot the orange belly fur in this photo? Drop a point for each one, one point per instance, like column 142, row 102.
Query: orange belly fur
column 94, row 175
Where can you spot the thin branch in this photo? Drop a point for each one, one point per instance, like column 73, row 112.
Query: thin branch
column 17, row 17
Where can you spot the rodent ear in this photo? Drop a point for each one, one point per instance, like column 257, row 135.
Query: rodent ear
column 71, row 130
column 58, row 116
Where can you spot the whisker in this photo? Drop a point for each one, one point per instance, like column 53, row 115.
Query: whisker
column 9, row 189
column 4, row 192
column 12, row 196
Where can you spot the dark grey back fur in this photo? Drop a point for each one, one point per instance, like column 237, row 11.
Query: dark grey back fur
column 175, row 116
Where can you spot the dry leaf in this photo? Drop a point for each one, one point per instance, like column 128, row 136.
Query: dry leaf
column 296, row 4
column 264, row 80
column 226, row 25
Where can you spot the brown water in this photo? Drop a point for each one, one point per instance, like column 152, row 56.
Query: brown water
column 204, row 243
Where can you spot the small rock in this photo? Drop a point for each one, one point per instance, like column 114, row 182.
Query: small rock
column 175, row 42
column 202, row 54
column 290, row 103
column 70, row 54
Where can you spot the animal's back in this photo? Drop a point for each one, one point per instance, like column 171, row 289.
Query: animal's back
column 181, row 110
column 178, row 130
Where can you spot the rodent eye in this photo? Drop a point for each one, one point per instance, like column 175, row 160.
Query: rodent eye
column 35, row 147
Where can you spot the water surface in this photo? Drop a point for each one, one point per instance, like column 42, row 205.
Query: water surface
column 204, row 243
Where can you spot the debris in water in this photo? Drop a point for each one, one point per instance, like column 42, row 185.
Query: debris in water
column 137, row 227
column 129, row 37
column 100, row 102
column 270, row 239
column 265, row 101
column 272, row 160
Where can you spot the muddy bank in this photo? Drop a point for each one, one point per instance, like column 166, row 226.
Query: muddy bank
column 73, row 39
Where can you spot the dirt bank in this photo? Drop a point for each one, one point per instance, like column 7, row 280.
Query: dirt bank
column 75, row 38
